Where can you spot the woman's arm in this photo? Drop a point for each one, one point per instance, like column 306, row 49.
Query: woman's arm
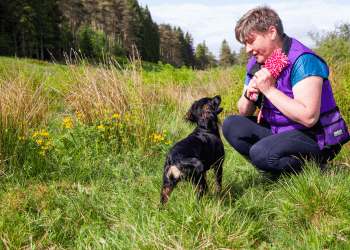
column 305, row 107
column 245, row 107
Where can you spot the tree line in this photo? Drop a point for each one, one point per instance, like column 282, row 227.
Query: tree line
column 54, row 28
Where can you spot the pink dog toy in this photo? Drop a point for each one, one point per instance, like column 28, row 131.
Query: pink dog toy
column 275, row 64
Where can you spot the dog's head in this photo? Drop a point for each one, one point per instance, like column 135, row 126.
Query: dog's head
column 204, row 109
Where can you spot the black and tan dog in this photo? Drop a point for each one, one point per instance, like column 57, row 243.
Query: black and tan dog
column 200, row 151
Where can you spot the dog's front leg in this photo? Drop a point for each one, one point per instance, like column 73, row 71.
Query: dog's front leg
column 171, row 177
column 218, row 177
column 167, row 189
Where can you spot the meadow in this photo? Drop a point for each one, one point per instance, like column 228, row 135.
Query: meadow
column 82, row 150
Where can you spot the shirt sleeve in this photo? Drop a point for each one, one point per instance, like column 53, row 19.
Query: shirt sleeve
column 308, row 65
column 246, row 80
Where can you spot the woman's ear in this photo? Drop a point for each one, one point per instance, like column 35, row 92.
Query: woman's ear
column 273, row 33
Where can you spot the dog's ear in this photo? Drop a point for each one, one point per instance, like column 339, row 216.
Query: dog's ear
column 219, row 110
column 189, row 116
column 216, row 101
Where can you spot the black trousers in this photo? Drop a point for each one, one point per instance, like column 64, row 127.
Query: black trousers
column 279, row 153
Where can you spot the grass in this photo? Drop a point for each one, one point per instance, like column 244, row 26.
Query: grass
column 82, row 153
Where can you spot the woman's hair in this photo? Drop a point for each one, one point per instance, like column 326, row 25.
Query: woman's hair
column 258, row 20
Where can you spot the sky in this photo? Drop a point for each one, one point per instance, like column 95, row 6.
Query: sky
column 215, row 20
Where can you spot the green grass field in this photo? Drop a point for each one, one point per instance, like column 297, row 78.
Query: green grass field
column 82, row 151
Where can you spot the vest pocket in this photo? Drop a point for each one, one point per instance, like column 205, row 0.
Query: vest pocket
column 331, row 129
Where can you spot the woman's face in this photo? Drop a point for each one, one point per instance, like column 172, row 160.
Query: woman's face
column 261, row 46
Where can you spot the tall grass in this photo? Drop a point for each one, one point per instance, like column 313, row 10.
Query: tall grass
column 24, row 105
column 92, row 154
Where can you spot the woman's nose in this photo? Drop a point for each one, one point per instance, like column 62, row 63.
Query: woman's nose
column 248, row 48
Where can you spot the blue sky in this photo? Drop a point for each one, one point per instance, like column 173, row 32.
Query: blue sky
column 214, row 21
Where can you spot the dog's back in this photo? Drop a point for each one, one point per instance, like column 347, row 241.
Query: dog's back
column 198, row 152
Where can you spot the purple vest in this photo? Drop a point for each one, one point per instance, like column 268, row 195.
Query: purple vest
column 329, row 113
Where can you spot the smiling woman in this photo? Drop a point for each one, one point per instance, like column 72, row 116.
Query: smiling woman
column 301, row 119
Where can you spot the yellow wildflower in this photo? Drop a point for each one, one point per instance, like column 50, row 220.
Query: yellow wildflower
column 57, row 150
column 116, row 116
column 39, row 141
column 66, row 120
column 164, row 131
column 101, row 127
column 36, row 134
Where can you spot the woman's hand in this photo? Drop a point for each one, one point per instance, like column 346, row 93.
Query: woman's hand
column 262, row 82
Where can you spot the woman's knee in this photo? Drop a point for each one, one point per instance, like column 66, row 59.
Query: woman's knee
column 259, row 156
column 232, row 125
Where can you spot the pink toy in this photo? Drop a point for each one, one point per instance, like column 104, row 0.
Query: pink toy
column 275, row 64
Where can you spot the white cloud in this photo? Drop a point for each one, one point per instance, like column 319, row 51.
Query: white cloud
column 216, row 23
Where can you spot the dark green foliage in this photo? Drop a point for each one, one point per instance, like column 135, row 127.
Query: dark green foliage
column 333, row 45
column 226, row 57
column 149, row 38
column 190, row 49
column 56, row 28
column 204, row 58
column 86, row 43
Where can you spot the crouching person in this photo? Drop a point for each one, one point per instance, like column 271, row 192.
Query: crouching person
column 300, row 118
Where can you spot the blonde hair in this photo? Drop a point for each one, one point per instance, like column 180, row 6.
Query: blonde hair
column 258, row 20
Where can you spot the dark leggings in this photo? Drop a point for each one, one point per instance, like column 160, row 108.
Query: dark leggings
column 280, row 153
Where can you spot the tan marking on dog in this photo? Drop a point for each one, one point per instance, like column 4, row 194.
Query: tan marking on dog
column 167, row 191
column 206, row 107
column 174, row 171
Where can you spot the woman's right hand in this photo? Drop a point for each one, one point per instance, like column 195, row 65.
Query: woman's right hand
column 252, row 91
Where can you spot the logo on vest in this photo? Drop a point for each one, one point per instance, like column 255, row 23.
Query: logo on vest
column 338, row 132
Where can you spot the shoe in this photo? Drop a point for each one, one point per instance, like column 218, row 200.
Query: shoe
column 324, row 169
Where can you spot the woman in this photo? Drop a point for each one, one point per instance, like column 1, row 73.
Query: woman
column 296, row 106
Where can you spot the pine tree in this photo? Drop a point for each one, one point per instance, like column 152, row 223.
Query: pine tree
column 149, row 38
column 190, row 49
column 243, row 57
column 87, row 44
column 226, row 58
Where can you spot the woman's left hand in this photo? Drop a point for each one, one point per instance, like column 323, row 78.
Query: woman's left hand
column 264, row 80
